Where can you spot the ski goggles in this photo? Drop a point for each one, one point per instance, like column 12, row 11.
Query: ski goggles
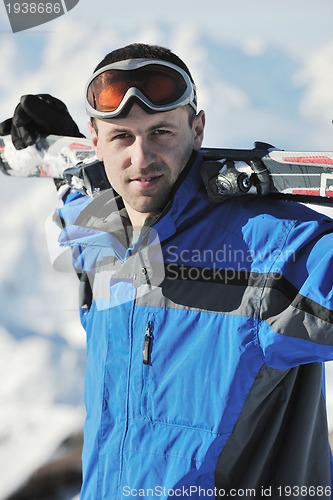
column 159, row 85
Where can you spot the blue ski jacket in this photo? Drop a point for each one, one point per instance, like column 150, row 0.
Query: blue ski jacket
column 206, row 335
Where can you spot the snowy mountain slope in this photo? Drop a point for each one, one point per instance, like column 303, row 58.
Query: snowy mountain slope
column 42, row 345
column 251, row 90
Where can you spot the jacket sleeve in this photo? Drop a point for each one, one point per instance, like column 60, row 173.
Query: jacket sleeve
column 296, row 307
column 64, row 257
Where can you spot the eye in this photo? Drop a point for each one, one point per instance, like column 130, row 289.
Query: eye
column 161, row 132
column 120, row 136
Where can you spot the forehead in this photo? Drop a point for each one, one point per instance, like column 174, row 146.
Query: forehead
column 138, row 120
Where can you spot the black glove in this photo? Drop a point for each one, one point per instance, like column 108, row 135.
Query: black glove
column 39, row 114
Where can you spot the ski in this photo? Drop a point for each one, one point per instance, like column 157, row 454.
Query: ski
column 50, row 156
column 263, row 170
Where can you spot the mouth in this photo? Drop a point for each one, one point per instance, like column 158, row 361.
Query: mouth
column 146, row 182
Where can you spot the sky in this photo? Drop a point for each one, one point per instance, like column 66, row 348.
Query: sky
column 264, row 71
column 261, row 67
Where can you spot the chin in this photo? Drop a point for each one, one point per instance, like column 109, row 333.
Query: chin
column 149, row 207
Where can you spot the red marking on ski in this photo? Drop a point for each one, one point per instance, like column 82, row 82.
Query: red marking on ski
column 322, row 160
column 76, row 145
column 42, row 172
column 312, row 192
column 2, row 148
column 308, row 192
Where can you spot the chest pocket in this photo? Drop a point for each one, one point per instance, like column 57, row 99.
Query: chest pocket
column 187, row 365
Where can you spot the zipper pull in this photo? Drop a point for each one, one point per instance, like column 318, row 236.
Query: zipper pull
column 147, row 344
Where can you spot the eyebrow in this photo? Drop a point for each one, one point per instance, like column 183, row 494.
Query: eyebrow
column 119, row 130
column 163, row 123
column 128, row 130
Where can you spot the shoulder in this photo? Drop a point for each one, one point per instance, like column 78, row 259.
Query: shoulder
column 266, row 226
column 248, row 210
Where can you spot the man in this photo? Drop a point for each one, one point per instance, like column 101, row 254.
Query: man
column 208, row 324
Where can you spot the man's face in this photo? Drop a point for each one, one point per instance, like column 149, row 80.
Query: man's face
column 143, row 155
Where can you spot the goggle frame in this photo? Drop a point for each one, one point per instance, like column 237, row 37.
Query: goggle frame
column 188, row 97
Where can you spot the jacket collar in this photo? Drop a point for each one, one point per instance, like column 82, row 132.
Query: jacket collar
column 105, row 215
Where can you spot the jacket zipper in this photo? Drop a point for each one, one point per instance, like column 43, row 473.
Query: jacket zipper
column 147, row 344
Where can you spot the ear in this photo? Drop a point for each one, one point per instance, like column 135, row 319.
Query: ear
column 198, row 130
column 94, row 138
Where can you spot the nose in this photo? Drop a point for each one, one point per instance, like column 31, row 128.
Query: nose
column 142, row 154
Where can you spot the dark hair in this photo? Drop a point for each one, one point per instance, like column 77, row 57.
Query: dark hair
column 145, row 51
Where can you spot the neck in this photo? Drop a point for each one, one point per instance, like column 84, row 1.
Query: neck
column 137, row 218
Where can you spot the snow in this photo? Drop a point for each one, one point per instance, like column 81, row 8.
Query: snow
column 252, row 88
column 42, row 353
